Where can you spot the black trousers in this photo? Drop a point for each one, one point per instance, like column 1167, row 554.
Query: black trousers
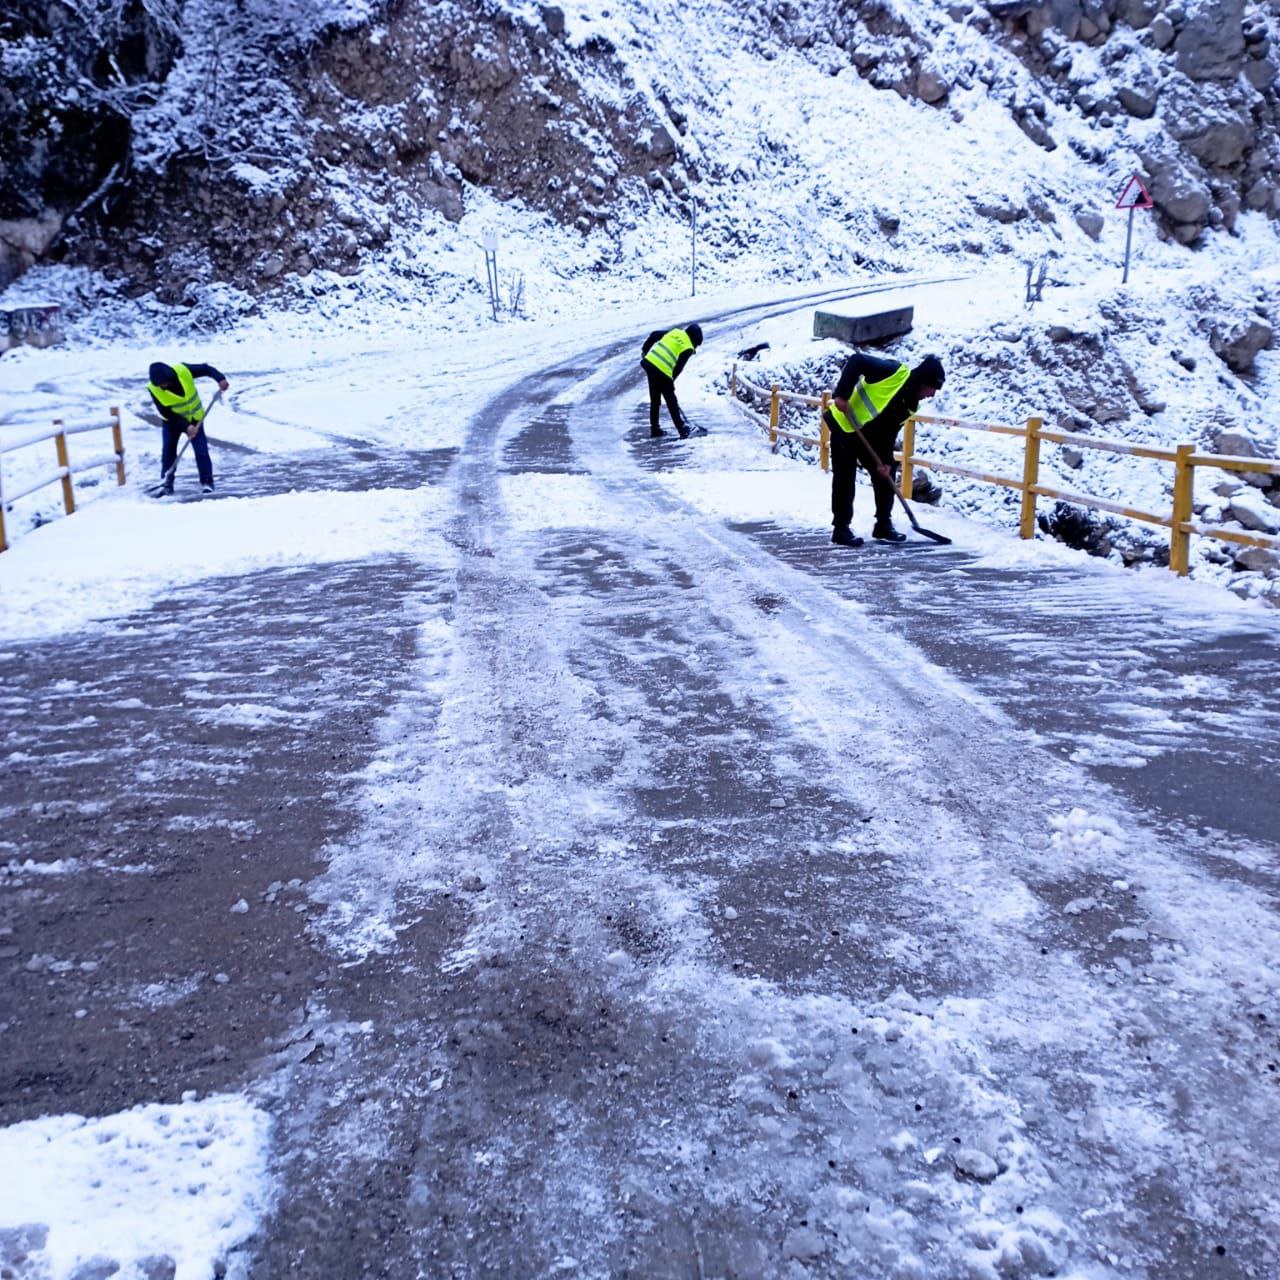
column 199, row 446
column 661, row 388
column 845, row 457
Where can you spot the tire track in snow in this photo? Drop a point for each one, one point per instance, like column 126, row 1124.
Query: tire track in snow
column 607, row 1072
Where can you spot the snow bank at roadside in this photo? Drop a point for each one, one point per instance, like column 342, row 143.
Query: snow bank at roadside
column 120, row 556
column 157, row 1190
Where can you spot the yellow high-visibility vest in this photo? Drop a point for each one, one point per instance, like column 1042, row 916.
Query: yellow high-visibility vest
column 668, row 349
column 185, row 403
column 869, row 398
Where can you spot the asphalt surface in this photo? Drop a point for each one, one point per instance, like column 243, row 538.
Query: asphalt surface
column 607, row 888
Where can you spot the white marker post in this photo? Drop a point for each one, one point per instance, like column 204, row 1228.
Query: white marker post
column 490, row 242
column 1134, row 196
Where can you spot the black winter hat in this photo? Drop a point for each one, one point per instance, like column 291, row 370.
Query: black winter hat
column 161, row 374
column 694, row 331
column 929, row 373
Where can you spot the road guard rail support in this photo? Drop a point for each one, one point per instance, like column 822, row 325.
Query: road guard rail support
column 1184, row 458
column 776, row 398
column 64, row 470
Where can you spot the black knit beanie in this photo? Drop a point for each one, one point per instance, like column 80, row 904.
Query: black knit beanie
column 929, row 373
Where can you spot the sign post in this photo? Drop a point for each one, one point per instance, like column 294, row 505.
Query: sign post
column 1134, row 196
column 490, row 242
column 693, row 247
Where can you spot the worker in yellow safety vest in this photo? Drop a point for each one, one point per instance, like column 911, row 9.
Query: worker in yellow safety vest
column 664, row 354
column 872, row 399
column 173, row 392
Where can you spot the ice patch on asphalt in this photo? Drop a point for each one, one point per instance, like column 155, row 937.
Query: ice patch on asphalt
column 185, row 1182
column 119, row 556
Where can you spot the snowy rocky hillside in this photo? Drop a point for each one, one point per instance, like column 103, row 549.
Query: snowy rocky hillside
column 182, row 142
column 177, row 167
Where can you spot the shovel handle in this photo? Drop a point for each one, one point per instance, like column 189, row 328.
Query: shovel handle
column 897, row 493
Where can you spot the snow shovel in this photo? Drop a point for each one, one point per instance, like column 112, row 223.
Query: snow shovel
column 915, row 524
column 158, row 490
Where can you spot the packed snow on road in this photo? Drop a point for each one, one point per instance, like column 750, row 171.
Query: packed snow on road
column 482, row 837
column 664, row 904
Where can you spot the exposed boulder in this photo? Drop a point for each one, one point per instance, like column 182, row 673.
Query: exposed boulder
column 1222, row 143
column 1006, row 211
column 1260, row 72
column 1077, row 527
column 23, row 241
column 1259, row 559
column 931, row 86
column 1182, row 197
column 1090, row 223
column 1210, row 45
column 1137, row 13
column 661, row 144
column 1237, row 443
column 1162, row 31
column 1237, row 342
column 1139, row 98
column 1253, row 511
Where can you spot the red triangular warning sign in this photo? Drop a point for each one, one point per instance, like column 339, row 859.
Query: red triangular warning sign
column 1134, row 195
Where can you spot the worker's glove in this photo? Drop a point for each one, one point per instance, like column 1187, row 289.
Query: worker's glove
column 223, row 385
column 192, row 431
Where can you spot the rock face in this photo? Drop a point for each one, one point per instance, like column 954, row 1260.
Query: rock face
column 1210, row 45
column 194, row 141
column 318, row 139
column 1203, row 68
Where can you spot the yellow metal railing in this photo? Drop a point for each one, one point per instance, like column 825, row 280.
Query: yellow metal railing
column 776, row 398
column 64, row 470
column 1183, row 457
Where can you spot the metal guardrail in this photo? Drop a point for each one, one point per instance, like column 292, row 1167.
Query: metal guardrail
column 64, row 470
column 1184, row 458
column 776, row 398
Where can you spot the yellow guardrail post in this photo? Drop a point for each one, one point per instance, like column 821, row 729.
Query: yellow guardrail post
column 1183, row 497
column 117, row 440
column 824, row 435
column 908, row 452
column 1030, row 478
column 773, row 417
column 68, row 491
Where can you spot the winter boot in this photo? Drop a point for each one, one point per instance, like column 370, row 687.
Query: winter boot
column 682, row 430
column 885, row 532
column 655, row 432
column 843, row 536
column 207, row 488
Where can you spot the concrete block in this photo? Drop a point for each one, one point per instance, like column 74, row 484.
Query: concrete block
column 859, row 330
column 37, row 324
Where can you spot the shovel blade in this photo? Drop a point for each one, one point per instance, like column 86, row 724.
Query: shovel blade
column 939, row 538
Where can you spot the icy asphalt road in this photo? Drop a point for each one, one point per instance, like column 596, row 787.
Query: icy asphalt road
column 633, row 894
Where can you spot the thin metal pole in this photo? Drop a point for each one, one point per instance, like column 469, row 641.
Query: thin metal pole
column 693, row 250
column 491, row 272
column 1128, row 240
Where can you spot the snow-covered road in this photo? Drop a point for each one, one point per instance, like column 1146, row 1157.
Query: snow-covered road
column 602, row 881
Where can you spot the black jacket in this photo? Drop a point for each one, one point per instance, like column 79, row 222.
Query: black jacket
column 882, row 430
column 197, row 371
